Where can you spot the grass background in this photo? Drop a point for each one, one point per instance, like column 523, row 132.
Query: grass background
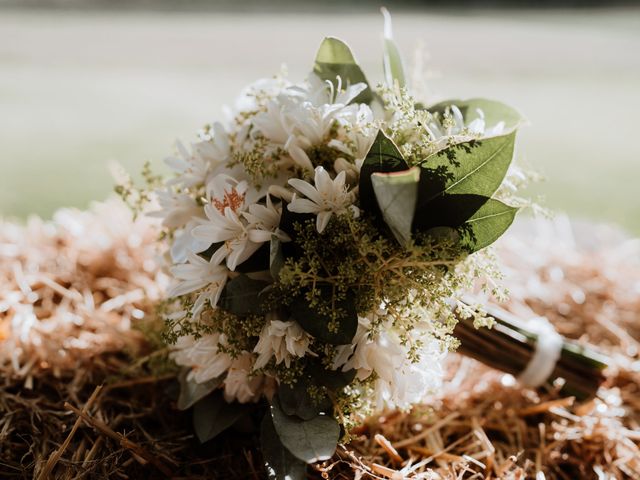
column 78, row 89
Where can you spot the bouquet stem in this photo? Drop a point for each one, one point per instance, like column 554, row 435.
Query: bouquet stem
column 509, row 345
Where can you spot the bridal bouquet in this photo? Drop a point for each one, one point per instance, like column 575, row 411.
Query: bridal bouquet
column 318, row 240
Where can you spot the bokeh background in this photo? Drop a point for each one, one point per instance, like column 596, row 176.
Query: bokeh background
column 84, row 83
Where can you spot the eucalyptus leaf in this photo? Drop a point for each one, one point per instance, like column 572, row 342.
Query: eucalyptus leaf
column 334, row 58
column 474, row 167
column 296, row 400
column 333, row 380
column 212, row 415
column 317, row 324
column 276, row 257
column 241, row 296
column 494, row 112
column 309, row 440
column 280, row 464
column 487, row 224
column 392, row 60
column 192, row 392
column 397, row 195
column 383, row 156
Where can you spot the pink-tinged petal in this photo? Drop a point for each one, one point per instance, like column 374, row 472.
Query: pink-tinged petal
column 300, row 157
column 339, row 182
column 322, row 221
column 218, row 256
column 260, row 236
column 217, row 292
column 185, row 287
column 210, row 233
column 306, row 189
column 323, row 181
column 302, row 205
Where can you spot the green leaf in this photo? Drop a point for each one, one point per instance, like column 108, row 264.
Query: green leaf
column 212, row 415
column 392, row 60
column 317, row 324
column 334, row 58
column 309, row 440
column 494, row 112
column 474, row 167
column 487, row 224
column 278, row 461
column 276, row 257
column 383, row 156
column 258, row 262
column 397, row 195
column 192, row 392
column 296, row 400
column 241, row 296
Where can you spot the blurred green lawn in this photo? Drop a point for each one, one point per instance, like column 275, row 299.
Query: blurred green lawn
column 80, row 89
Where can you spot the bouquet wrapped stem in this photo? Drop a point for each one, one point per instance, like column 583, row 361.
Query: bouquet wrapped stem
column 315, row 240
column 510, row 345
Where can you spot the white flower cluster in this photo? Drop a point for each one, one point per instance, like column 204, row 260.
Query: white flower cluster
column 226, row 201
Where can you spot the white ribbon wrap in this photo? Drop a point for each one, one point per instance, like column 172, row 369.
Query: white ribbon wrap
column 546, row 354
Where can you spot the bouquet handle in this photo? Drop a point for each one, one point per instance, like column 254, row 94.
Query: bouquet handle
column 510, row 345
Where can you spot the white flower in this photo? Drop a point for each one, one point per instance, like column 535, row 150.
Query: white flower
column 400, row 381
column 198, row 273
column 215, row 149
column 225, row 222
column 455, row 125
column 324, row 198
column 176, row 209
column 185, row 243
column 240, row 384
column 356, row 133
column 282, row 340
column 192, row 169
column 203, row 356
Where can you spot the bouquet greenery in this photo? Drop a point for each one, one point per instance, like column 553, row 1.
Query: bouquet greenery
column 318, row 240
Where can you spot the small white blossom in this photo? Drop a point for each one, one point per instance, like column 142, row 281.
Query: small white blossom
column 176, row 209
column 240, row 384
column 225, row 222
column 184, row 243
column 263, row 222
column 326, row 197
column 455, row 126
column 282, row 340
column 203, row 356
column 198, row 273
column 400, row 382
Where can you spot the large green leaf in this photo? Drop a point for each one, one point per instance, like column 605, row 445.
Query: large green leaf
column 309, row 440
column 397, row 195
column 392, row 60
column 383, row 156
column 333, row 380
column 212, row 415
column 241, row 296
column 279, row 462
column 192, row 392
column 317, row 324
column 494, row 112
column 446, row 210
column 335, row 59
column 487, row 224
column 474, row 167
